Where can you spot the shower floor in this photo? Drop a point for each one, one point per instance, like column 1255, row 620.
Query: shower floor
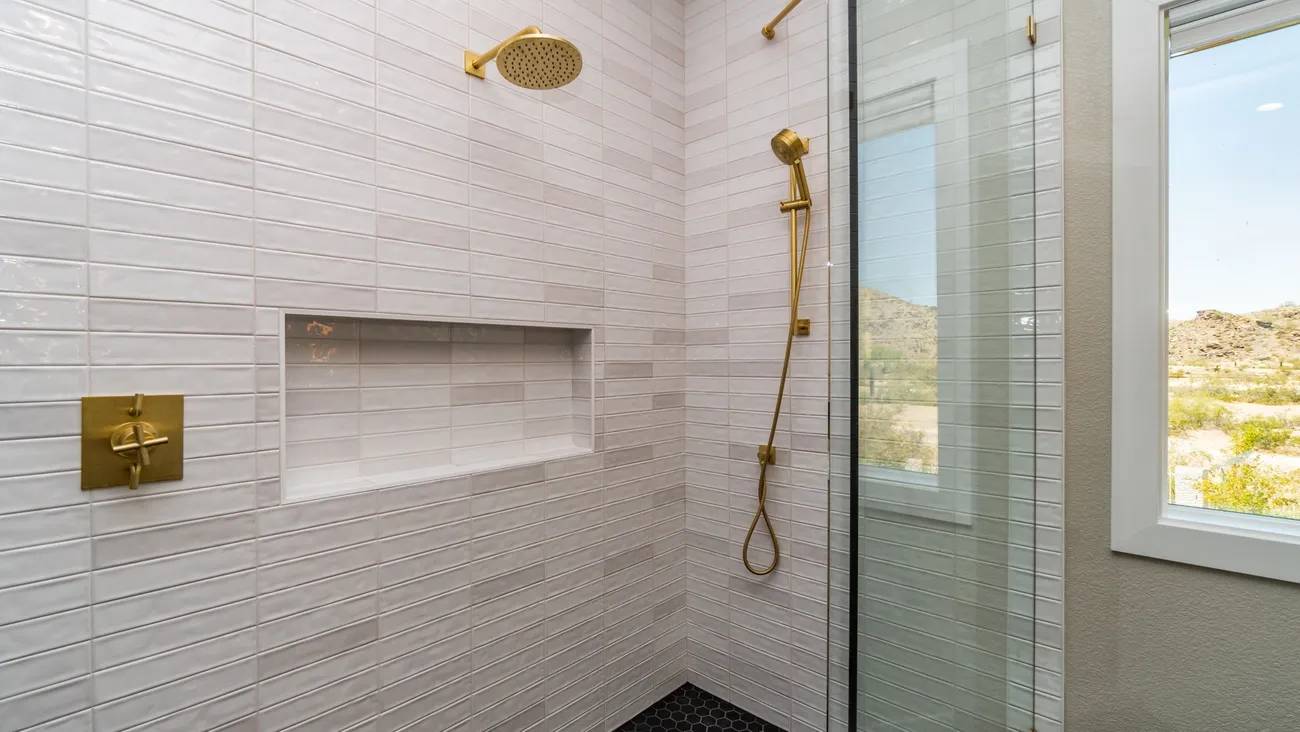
column 691, row 709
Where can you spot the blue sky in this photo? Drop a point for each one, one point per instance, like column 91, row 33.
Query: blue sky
column 1234, row 176
column 896, row 208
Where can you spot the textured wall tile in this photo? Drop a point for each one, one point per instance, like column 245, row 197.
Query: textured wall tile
column 166, row 172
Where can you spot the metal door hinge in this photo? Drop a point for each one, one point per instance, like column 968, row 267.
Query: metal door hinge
column 1031, row 30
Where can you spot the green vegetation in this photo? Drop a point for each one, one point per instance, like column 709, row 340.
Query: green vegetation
column 1196, row 412
column 1260, row 433
column 1258, row 394
column 887, row 442
column 894, row 376
column 1250, row 488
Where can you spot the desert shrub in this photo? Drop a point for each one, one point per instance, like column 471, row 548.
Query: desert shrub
column 1271, row 395
column 1260, row 433
column 895, row 376
column 1192, row 412
column 1177, row 373
column 1265, row 394
column 886, row 441
column 1248, row 487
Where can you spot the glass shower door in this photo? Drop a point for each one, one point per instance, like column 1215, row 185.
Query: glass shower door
column 934, row 377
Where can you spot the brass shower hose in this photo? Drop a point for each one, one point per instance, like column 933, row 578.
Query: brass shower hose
column 797, row 256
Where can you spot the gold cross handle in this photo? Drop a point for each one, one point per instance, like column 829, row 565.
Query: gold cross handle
column 137, row 438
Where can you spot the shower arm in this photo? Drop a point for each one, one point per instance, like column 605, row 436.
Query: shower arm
column 475, row 62
column 769, row 30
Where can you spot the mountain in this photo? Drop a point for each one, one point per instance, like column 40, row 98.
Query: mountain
column 1220, row 336
column 890, row 322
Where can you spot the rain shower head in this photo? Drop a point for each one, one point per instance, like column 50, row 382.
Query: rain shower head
column 531, row 59
column 539, row 61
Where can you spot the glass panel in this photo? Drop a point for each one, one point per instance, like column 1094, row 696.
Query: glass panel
column 840, row 495
column 1234, row 299
column 933, row 374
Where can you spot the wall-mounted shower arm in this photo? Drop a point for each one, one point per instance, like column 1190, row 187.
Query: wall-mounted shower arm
column 475, row 62
column 769, row 30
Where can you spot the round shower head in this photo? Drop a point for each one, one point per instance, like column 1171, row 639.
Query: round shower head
column 789, row 146
column 539, row 61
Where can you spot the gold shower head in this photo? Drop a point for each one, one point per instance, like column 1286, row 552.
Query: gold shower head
column 531, row 59
column 789, row 146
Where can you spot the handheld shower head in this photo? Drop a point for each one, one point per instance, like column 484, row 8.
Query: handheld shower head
column 789, row 146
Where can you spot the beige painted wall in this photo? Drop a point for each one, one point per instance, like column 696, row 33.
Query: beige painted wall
column 1149, row 645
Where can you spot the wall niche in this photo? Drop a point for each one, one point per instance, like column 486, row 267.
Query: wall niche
column 374, row 402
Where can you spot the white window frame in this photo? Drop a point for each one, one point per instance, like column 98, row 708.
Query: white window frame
column 1142, row 519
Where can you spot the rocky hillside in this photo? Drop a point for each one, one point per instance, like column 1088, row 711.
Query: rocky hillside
column 1265, row 335
column 898, row 324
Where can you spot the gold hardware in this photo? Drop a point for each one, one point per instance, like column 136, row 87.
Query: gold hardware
column 129, row 440
column 1031, row 30
column 789, row 147
column 475, row 62
column 531, row 59
column 769, row 30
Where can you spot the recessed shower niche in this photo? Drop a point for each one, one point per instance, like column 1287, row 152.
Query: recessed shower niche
column 375, row 402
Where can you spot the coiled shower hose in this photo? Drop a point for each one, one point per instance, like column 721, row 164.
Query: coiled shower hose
column 765, row 457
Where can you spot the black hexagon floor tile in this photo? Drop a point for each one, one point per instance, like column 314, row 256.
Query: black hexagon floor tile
column 691, row 709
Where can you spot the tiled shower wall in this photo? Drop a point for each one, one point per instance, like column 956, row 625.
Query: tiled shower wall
column 168, row 183
column 759, row 642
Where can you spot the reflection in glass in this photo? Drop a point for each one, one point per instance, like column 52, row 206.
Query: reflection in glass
column 897, row 302
column 933, row 529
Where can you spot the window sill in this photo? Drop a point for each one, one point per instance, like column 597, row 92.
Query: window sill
column 1262, row 546
column 911, row 493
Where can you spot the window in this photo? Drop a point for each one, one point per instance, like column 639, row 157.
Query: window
column 897, row 280
column 1206, row 370
column 914, row 179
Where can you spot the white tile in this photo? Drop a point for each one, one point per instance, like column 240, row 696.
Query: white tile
column 132, row 282
column 220, row 75
column 42, row 131
column 369, row 163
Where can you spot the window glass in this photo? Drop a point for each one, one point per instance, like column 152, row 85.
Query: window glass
column 1234, row 275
